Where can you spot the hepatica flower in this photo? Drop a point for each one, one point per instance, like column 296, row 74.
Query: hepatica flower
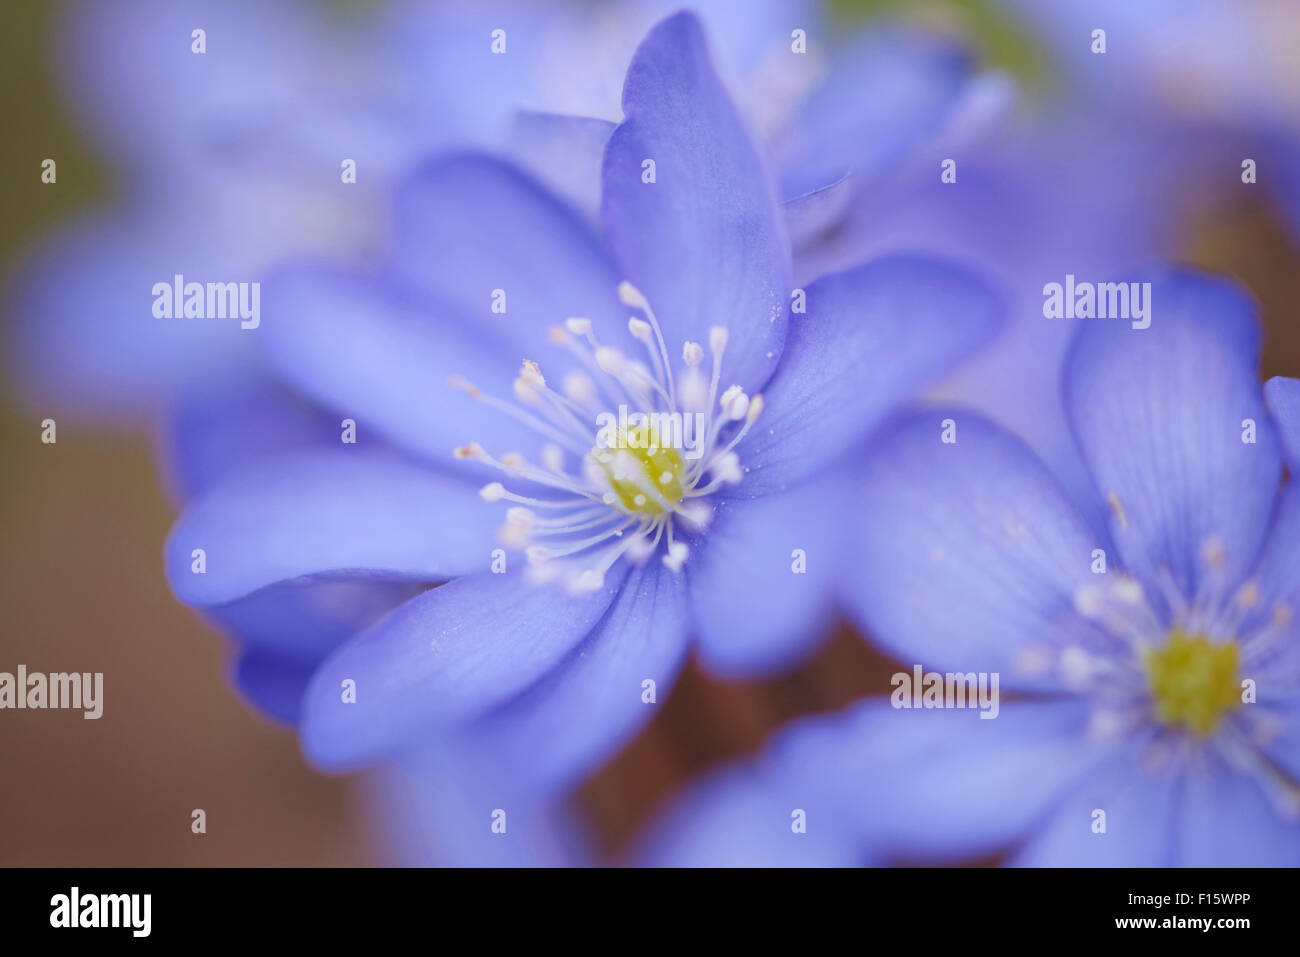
column 577, row 554
column 1154, row 712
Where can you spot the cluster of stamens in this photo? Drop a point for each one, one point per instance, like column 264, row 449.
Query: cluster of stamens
column 1175, row 667
column 618, row 489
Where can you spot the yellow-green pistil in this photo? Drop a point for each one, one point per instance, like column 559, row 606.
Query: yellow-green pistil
column 660, row 469
column 1193, row 681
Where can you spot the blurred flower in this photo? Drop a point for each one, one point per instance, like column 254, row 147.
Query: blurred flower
column 449, row 804
column 836, row 108
column 1155, row 717
column 1118, row 164
column 230, row 158
column 1215, row 59
column 1072, row 192
column 226, row 159
column 552, row 677
column 1223, row 72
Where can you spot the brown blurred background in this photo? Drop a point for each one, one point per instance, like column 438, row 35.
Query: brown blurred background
column 82, row 589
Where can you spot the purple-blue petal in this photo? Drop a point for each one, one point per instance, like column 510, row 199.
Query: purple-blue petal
column 704, row 242
column 1282, row 395
column 884, row 94
column 1225, row 819
column 300, row 622
column 965, row 555
column 878, row 784
column 1141, row 818
column 1274, row 660
column 272, row 686
column 217, row 427
column 576, row 716
column 85, row 339
column 740, row 817
column 449, row 805
column 372, row 355
column 872, row 338
column 1172, row 425
column 444, row 657
column 814, row 212
column 260, row 58
column 565, row 153
column 469, row 225
column 763, row 577
column 328, row 512
column 950, row 784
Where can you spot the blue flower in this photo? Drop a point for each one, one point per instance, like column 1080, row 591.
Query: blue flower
column 642, row 549
column 1154, row 713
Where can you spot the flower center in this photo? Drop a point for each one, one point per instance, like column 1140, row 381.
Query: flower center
column 640, row 460
column 641, row 470
column 1193, row 681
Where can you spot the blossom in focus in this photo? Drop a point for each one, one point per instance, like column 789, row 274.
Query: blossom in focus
column 684, row 306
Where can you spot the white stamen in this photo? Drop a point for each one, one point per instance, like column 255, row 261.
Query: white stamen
column 727, row 469
column 1128, row 590
column 531, row 372
column 456, row 382
column 640, row 329
column 553, row 457
column 473, row 451
column 1076, row 667
column 695, row 391
column 616, row 502
column 588, row 580
column 610, row 360
column 518, row 515
column 717, row 339
column 1088, row 601
column 578, row 387
column 734, row 403
column 641, row 548
column 526, row 391
column 675, row 556
column 630, row 295
column 514, row 535
column 696, row 512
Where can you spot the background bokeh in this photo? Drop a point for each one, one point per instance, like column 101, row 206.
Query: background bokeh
column 81, row 584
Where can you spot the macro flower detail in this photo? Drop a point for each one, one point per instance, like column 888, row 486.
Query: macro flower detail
column 588, row 433
column 1154, row 664
column 634, row 482
column 672, row 526
column 1193, row 681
